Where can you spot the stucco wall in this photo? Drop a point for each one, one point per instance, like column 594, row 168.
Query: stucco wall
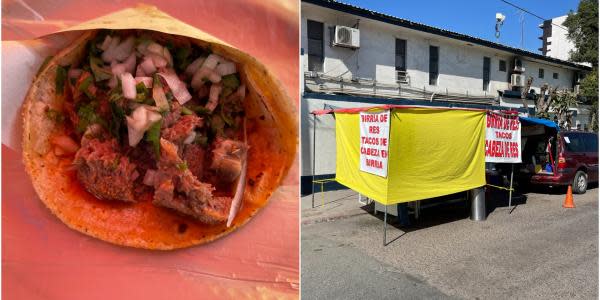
column 460, row 63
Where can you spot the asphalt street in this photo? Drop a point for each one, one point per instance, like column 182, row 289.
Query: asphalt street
column 539, row 251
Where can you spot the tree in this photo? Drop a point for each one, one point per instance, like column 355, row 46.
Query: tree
column 561, row 102
column 583, row 32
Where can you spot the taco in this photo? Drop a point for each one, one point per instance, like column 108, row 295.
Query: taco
column 157, row 141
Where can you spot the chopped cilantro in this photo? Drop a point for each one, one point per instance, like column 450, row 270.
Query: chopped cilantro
column 201, row 110
column 96, row 66
column 186, row 111
column 226, row 92
column 142, row 92
column 217, row 125
column 226, row 116
column 182, row 58
column 61, row 76
column 118, row 116
column 153, row 136
column 231, row 81
column 182, row 166
column 169, row 95
column 87, row 116
column 84, row 87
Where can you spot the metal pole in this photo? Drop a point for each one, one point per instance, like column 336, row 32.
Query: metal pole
column 511, row 187
column 313, row 159
column 478, row 204
column 384, row 225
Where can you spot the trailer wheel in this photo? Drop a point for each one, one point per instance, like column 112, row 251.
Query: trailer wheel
column 580, row 182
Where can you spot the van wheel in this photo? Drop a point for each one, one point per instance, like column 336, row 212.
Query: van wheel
column 580, row 183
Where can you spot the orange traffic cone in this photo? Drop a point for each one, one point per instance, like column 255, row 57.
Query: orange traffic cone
column 569, row 199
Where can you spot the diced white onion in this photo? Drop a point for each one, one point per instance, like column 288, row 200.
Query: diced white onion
column 204, row 73
column 236, row 202
column 141, row 48
column 153, row 116
column 226, row 68
column 155, row 48
column 150, row 177
column 213, row 98
column 146, row 80
column 242, row 92
column 129, row 63
column 214, row 77
column 180, row 91
column 128, row 86
column 148, row 66
column 167, row 56
column 194, row 66
column 106, row 43
column 211, row 61
column 109, row 54
column 190, row 138
column 158, row 94
column 140, row 120
column 158, row 60
column 139, row 72
column 135, row 131
column 117, row 69
column 124, row 49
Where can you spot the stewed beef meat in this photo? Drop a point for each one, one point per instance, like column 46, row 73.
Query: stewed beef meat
column 104, row 171
column 177, row 188
column 193, row 155
column 181, row 129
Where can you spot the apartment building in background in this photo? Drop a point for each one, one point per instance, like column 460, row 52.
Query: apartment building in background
column 554, row 38
column 353, row 57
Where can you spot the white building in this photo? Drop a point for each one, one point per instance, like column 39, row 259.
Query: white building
column 554, row 38
column 354, row 57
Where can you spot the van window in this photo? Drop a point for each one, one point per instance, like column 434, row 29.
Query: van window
column 576, row 142
column 591, row 142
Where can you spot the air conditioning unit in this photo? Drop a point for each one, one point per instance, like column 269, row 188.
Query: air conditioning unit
column 517, row 80
column 519, row 65
column 346, row 37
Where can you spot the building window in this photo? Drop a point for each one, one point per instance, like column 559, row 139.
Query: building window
column 315, row 46
column 541, row 73
column 486, row 73
column 555, row 75
column 400, row 60
column 433, row 65
column 502, row 66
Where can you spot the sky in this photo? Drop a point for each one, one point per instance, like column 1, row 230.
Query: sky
column 477, row 17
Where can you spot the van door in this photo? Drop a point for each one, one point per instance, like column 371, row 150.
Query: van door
column 591, row 155
column 575, row 154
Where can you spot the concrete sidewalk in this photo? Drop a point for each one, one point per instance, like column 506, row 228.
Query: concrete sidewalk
column 330, row 206
column 540, row 251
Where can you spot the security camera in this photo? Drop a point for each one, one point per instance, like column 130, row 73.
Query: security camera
column 500, row 17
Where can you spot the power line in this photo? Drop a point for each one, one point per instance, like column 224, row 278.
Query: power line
column 537, row 16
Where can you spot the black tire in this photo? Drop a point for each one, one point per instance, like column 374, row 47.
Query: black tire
column 580, row 182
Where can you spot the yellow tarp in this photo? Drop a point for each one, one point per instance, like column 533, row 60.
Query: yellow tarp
column 432, row 152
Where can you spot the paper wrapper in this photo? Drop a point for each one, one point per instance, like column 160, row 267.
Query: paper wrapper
column 41, row 256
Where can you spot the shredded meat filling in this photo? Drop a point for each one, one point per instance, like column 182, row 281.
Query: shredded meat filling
column 181, row 129
column 104, row 171
column 177, row 188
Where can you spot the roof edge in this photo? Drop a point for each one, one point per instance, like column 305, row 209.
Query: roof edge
column 377, row 16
